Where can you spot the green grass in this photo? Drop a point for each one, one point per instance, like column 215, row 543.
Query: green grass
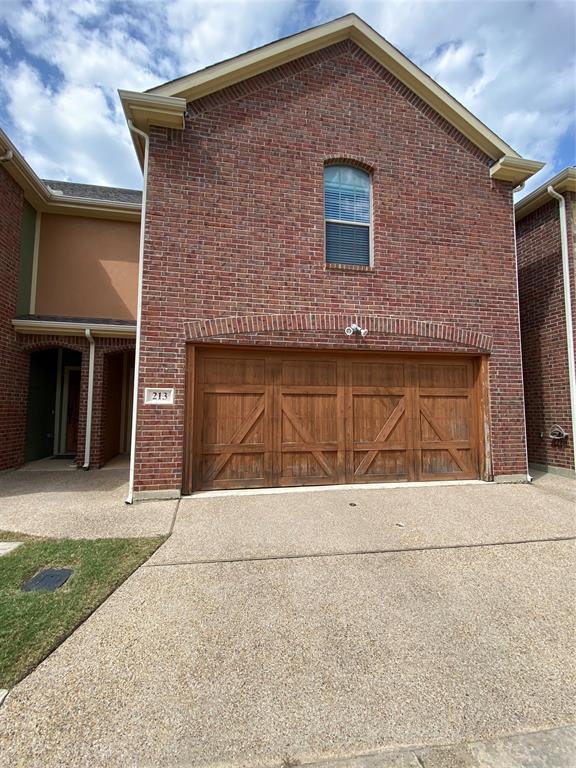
column 32, row 624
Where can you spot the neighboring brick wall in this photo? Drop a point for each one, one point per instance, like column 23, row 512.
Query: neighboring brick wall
column 545, row 358
column 234, row 227
column 13, row 364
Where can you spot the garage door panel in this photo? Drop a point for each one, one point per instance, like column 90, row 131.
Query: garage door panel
column 379, row 428
column 234, row 370
column 318, row 465
column 236, row 466
column 309, row 418
column 380, row 465
column 377, row 374
column 377, row 416
column 232, row 417
column 309, row 436
column 306, row 373
column 446, row 418
column 445, row 462
column 445, row 435
column 446, row 375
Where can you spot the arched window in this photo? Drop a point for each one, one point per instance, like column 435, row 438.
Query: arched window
column 347, row 213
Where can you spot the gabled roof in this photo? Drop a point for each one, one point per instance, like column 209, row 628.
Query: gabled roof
column 565, row 181
column 147, row 109
column 65, row 197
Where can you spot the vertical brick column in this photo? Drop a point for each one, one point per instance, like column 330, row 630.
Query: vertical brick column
column 13, row 362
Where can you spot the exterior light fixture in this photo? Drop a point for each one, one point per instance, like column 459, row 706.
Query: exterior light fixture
column 355, row 329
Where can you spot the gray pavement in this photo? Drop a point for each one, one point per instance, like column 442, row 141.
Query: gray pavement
column 247, row 663
column 76, row 504
column 557, row 484
column 324, row 522
column 305, row 655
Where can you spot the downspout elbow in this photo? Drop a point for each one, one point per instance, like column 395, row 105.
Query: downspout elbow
column 552, row 192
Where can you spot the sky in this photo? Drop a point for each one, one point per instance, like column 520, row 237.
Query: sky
column 511, row 62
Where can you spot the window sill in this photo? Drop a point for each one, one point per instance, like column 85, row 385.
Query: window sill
column 350, row 267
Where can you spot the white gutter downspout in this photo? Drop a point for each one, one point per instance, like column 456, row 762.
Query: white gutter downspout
column 567, row 310
column 130, row 497
column 88, row 437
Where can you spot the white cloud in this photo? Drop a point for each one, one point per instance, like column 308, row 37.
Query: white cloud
column 511, row 63
column 61, row 101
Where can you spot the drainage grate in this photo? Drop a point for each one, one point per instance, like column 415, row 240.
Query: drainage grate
column 48, row 580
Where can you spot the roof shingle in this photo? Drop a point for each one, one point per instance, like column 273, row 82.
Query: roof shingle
column 94, row 192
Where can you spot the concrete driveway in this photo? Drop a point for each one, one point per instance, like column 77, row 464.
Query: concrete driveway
column 50, row 498
column 275, row 628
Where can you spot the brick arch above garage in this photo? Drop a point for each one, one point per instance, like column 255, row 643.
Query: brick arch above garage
column 332, row 324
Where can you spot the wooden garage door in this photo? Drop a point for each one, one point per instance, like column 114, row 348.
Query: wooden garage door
column 263, row 419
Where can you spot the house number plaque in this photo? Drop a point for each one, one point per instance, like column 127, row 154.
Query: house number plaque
column 159, row 396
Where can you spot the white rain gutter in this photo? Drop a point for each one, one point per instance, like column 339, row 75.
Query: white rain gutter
column 567, row 309
column 130, row 497
column 88, row 437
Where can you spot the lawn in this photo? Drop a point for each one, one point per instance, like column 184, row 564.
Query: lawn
column 32, row 624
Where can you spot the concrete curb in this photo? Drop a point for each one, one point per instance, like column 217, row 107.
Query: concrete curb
column 554, row 748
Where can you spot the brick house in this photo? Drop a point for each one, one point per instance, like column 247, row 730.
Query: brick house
column 328, row 287
column 547, row 279
column 316, row 184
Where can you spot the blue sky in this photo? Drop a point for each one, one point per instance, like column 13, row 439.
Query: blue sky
column 512, row 63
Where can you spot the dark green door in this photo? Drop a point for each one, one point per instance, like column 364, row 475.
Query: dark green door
column 41, row 404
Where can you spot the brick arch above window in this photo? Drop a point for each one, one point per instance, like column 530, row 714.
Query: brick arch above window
column 320, row 321
column 351, row 160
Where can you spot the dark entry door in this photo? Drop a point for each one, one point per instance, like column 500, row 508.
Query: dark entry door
column 73, row 412
column 41, row 404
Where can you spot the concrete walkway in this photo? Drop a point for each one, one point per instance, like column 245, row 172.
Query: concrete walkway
column 260, row 635
column 41, row 500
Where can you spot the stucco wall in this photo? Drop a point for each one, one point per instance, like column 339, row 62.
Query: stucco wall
column 87, row 268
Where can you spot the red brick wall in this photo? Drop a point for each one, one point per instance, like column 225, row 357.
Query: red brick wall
column 235, row 226
column 13, row 364
column 543, row 320
column 104, row 346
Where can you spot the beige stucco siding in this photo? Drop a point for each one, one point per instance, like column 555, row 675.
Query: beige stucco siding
column 87, row 268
